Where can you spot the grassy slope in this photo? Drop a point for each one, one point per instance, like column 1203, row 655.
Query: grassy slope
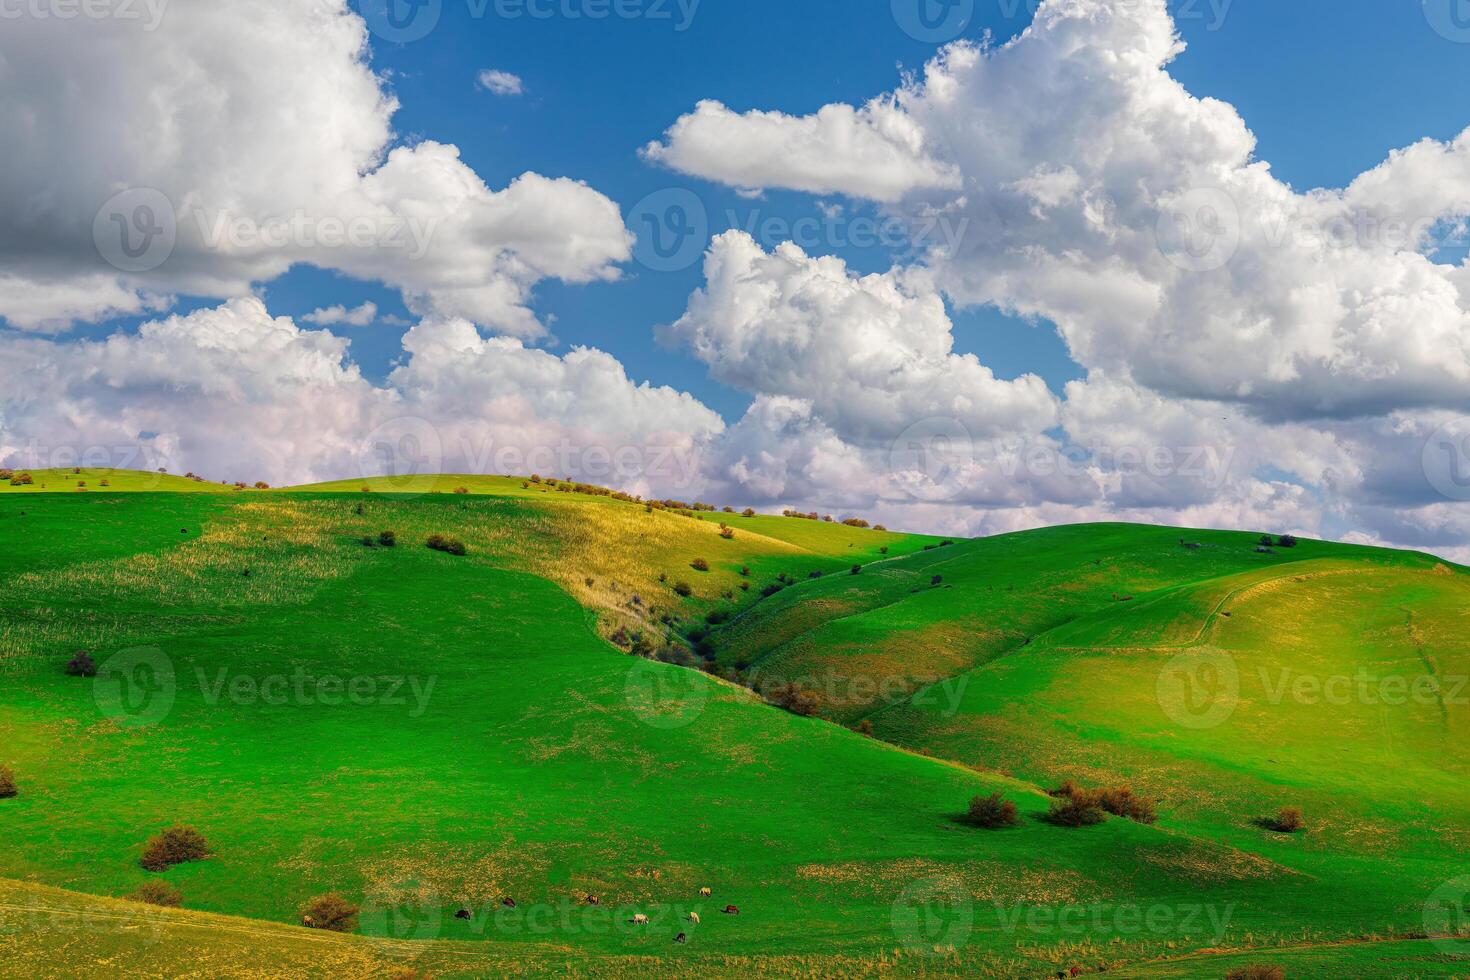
column 534, row 772
column 90, row 480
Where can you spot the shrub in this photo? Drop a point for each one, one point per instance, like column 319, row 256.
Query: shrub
column 771, row 590
column 795, row 699
column 330, row 912
column 368, row 541
column 992, row 812
column 8, row 789
column 717, row 616
column 727, row 533
column 461, row 489
column 1256, row 971
column 158, row 893
column 937, row 580
column 81, row 665
column 176, row 845
column 883, row 550
column 21, row 480
column 857, row 569
column 1120, row 801
column 262, row 485
column 448, row 545
column 1077, row 810
column 1267, row 540
column 683, row 589
column 745, row 570
column 699, row 565
column 748, row 512
column 388, row 539
column 1286, row 541
column 1288, row 820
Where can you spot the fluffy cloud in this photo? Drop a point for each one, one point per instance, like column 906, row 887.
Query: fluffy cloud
column 1100, row 194
column 233, row 392
column 500, row 82
column 358, row 316
column 871, row 354
column 222, row 189
column 882, row 150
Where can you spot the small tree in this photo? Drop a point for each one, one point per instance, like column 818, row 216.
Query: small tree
column 1288, row 820
column 1122, row 802
column 992, row 812
column 330, row 912
column 699, row 565
column 1074, row 807
column 81, row 665
column 157, row 893
column 176, row 845
column 8, row 789
column 387, row 539
column 1287, row 541
column 727, row 533
column 748, row 512
column 937, row 580
column 684, row 589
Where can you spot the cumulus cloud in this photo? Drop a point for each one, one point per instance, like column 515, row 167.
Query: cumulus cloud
column 177, row 172
column 870, row 354
column 358, row 316
column 235, row 393
column 499, row 82
column 883, row 154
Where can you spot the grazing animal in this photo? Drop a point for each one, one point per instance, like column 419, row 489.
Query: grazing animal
column 681, row 938
column 730, row 910
column 509, row 903
column 704, row 893
column 462, row 914
column 308, row 921
column 591, row 899
column 694, row 917
column 639, row 920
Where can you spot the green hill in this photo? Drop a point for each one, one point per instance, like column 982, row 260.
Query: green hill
column 427, row 734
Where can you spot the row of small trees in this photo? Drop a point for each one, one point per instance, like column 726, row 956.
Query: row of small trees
column 1074, row 806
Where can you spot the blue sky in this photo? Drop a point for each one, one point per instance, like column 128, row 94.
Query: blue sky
column 1327, row 95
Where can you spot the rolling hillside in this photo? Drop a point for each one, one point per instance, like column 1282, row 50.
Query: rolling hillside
column 428, row 734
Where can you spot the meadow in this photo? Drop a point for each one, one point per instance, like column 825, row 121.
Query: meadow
column 578, row 708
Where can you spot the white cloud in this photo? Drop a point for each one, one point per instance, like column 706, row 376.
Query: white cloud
column 880, row 151
column 358, row 316
column 500, row 82
column 871, row 354
column 193, row 111
column 234, row 393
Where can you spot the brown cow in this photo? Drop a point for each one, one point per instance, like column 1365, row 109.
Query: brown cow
column 704, row 893
column 730, row 910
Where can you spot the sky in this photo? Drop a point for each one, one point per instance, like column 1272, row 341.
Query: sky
column 960, row 265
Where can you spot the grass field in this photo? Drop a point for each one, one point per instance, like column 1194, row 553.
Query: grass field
column 428, row 734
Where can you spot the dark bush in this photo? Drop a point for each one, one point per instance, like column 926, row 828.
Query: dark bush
column 157, row 893
column 21, row 480
column 387, row 539
column 81, row 665
column 8, row 789
column 747, row 512
column 1288, row 820
column 937, row 580
column 684, row 589
column 176, row 845
column 448, row 545
column 992, row 812
column 795, row 699
column 883, row 550
column 1078, row 810
column 699, row 565
column 771, row 590
column 857, row 569
column 1121, row 801
column 330, row 912
column 368, row 541
column 717, row 617
column 745, row 570
column 1267, row 540
column 727, row 532
column 1286, row 541
column 1256, row 971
